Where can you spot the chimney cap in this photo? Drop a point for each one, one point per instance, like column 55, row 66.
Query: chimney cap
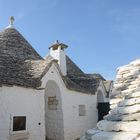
column 57, row 44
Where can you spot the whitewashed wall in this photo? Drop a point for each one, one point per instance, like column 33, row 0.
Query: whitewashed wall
column 18, row 101
column 74, row 125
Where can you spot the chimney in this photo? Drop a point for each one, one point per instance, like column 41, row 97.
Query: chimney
column 57, row 51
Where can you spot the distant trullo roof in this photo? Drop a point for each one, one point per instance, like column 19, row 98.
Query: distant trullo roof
column 21, row 65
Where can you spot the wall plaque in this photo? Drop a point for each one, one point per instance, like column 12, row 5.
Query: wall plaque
column 52, row 103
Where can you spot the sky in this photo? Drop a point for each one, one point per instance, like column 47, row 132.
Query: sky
column 101, row 34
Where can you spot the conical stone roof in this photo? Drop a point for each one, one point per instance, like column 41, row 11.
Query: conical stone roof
column 15, row 55
column 13, row 44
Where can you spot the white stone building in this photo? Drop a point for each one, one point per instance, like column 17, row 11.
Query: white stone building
column 45, row 98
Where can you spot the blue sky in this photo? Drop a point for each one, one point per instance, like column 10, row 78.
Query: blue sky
column 101, row 34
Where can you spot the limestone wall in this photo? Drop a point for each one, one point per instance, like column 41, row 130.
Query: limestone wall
column 123, row 120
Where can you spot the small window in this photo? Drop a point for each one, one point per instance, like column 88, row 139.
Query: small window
column 19, row 123
column 82, row 110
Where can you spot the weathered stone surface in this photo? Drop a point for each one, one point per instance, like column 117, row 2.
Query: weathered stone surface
column 133, row 95
column 100, row 135
column 127, row 91
column 114, row 136
column 91, row 132
column 115, row 94
column 115, row 100
column 131, row 117
column 123, row 120
column 123, row 69
column 138, row 138
column 83, row 138
column 126, row 109
column 113, row 106
column 113, row 117
column 129, row 102
column 120, row 117
column 119, row 126
column 136, row 62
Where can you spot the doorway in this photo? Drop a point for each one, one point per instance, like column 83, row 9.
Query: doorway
column 103, row 107
column 53, row 112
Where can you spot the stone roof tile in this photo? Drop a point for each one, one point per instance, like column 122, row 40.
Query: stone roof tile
column 21, row 65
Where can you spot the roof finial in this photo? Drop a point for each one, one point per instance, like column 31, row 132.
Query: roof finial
column 56, row 42
column 11, row 21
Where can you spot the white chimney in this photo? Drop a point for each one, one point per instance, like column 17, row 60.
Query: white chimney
column 58, row 53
